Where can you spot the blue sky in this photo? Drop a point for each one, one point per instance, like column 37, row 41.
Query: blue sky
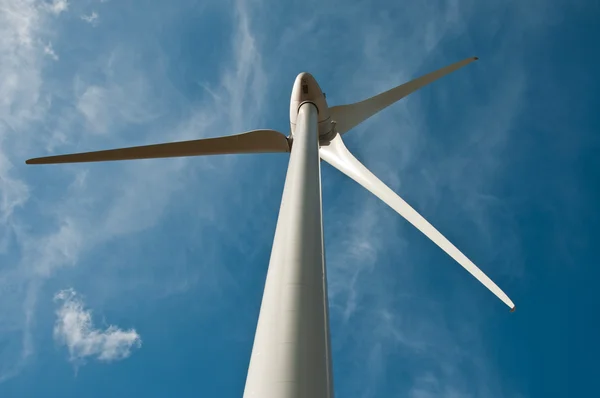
column 145, row 278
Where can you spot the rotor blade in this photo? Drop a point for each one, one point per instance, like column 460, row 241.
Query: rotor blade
column 351, row 115
column 339, row 157
column 256, row 141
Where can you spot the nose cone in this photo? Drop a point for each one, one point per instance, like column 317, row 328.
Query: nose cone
column 305, row 89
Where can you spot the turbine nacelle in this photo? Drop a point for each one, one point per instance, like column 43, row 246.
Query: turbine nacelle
column 306, row 89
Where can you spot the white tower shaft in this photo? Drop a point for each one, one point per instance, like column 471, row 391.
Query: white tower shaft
column 291, row 354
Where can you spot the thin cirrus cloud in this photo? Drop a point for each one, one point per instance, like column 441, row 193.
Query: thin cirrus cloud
column 48, row 50
column 56, row 6
column 52, row 232
column 92, row 18
column 75, row 329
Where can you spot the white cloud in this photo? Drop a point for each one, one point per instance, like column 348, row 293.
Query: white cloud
column 57, row 6
column 94, row 104
column 22, row 50
column 48, row 50
column 74, row 328
column 13, row 192
column 20, row 45
column 91, row 19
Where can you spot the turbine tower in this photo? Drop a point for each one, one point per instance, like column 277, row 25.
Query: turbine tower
column 291, row 355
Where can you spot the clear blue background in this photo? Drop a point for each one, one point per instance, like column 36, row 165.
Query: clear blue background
column 500, row 156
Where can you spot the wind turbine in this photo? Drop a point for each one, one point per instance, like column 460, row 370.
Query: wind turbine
column 291, row 355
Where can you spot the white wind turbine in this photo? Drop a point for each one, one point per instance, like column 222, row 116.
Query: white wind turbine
column 291, row 355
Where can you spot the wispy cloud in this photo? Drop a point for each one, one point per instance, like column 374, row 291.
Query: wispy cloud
column 22, row 56
column 14, row 191
column 57, row 6
column 117, row 97
column 48, row 50
column 92, row 18
column 74, row 328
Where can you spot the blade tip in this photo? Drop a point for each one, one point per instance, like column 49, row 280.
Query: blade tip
column 36, row 161
column 475, row 58
column 513, row 308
